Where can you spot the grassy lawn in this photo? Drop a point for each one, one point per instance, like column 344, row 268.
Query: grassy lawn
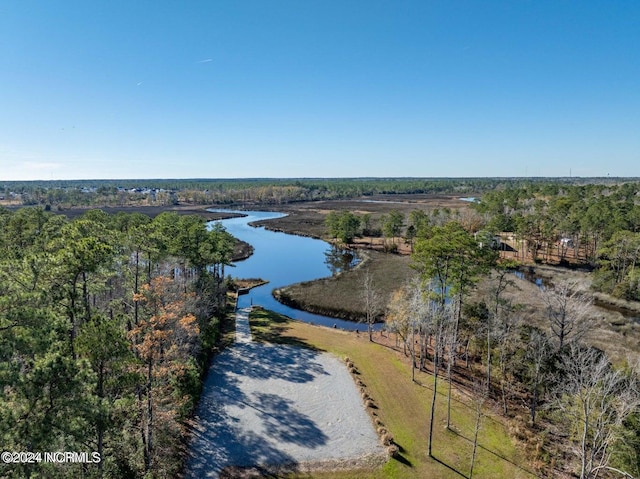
column 404, row 409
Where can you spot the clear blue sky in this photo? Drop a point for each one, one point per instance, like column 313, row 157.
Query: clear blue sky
column 306, row 88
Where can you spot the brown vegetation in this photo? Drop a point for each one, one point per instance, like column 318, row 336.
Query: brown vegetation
column 339, row 296
column 308, row 218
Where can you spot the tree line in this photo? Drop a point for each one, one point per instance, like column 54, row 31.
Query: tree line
column 594, row 225
column 106, row 323
column 69, row 193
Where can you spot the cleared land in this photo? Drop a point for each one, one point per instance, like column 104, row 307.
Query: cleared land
column 280, row 407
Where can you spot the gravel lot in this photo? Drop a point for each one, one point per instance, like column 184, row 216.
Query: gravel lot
column 272, row 405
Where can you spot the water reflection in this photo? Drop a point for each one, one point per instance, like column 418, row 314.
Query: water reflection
column 532, row 278
column 339, row 259
column 544, row 283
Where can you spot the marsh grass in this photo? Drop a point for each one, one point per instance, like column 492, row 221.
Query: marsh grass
column 339, row 296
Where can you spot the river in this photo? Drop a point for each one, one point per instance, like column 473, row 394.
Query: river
column 282, row 259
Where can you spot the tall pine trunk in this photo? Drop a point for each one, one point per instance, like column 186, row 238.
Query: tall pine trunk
column 433, row 402
column 148, row 450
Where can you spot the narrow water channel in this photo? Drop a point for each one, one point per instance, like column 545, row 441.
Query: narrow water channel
column 544, row 283
column 282, row 259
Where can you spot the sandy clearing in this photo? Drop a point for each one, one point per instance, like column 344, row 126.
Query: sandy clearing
column 269, row 405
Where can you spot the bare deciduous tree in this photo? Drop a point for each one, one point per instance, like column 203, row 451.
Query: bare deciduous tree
column 506, row 343
column 441, row 325
column 479, row 397
column 373, row 305
column 500, row 282
column 397, row 318
column 537, row 356
column 451, row 345
column 410, row 313
column 595, row 398
column 568, row 313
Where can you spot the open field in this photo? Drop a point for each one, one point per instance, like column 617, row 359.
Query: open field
column 403, row 407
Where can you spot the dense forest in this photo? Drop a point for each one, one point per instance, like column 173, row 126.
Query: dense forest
column 595, row 225
column 106, row 323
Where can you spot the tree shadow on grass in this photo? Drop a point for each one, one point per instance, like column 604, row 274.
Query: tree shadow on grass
column 495, row 453
column 402, row 460
column 451, row 468
column 270, row 327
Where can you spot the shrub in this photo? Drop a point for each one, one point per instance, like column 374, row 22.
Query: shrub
column 393, row 450
column 390, row 248
column 387, row 439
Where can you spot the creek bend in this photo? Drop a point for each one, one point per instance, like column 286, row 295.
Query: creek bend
column 282, row 259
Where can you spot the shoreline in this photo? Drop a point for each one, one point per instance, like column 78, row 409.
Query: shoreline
column 282, row 296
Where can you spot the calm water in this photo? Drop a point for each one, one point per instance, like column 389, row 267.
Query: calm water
column 282, row 259
column 543, row 283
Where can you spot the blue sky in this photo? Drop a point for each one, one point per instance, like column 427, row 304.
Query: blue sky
column 305, row 88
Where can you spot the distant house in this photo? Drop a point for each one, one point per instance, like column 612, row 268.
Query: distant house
column 484, row 238
column 567, row 242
